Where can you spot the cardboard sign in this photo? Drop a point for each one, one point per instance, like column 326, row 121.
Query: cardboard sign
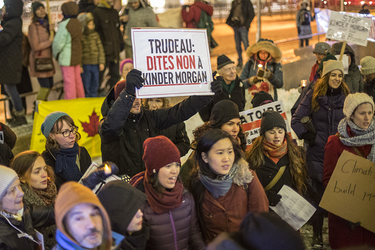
column 350, row 192
column 174, row 62
column 345, row 27
column 251, row 119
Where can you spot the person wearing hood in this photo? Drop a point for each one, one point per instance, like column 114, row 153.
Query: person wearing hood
column 315, row 119
column 353, row 79
column 82, row 221
column 123, row 203
column 93, row 58
column 107, row 24
column 126, row 124
column 11, row 57
column 368, row 71
column 356, row 134
column 170, row 208
column 263, row 71
column 41, row 47
column 67, row 49
column 303, row 20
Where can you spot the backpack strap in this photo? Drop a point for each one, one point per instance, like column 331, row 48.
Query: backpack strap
column 276, row 178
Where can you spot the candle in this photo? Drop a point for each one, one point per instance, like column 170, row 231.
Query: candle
column 107, row 169
column 303, row 83
column 260, row 66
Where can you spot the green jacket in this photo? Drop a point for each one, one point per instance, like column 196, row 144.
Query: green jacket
column 92, row 48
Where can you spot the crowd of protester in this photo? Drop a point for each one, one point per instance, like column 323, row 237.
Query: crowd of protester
column 222, row 196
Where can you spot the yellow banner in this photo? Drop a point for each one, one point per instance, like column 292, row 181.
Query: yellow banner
column 86, row 113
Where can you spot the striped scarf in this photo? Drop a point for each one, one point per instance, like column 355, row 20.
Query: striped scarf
column 275, row 152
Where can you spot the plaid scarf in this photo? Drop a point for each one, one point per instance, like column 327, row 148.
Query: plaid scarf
column 275, row 152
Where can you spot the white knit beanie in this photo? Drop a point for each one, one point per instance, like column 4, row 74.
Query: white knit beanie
column 7, row 177
column 330, row 65
column 352, row 101
column 367, row 65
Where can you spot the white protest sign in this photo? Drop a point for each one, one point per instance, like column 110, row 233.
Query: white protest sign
column 345, row 63
column 174, row 62
column 251, row 119
column 349, row 28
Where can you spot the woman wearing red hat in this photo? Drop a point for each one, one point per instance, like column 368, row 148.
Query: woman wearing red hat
column 169, row 209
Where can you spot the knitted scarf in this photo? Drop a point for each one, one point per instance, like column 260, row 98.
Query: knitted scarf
column 49, row 194
column 66, row 166
column 363, row 136
column 275, row 152
column 221, row 184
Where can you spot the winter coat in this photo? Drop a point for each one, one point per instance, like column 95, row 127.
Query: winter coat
column 250, row 69
column 107, row 24
column 304, row 29
column 192, row 17
column 92, row 48
column 144, row 16
column 123, row 133
column 369, row 88
column 33, row 199
column 325, row 120
column 177, row 229
column 340, row 233
column 67, row 45
column 313, row 71
column 353, row 79
column 11, row 45
column 237, row 96
column 34, row 217
column 248, row 13
column 178, row 135
column 41, row 47
column 84, row 161
column 9, row 140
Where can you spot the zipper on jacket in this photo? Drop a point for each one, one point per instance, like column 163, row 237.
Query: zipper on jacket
column 331, row 109
column 174, row 230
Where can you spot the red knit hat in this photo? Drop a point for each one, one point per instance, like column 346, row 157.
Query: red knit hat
column 159, row 151
column 119, row 87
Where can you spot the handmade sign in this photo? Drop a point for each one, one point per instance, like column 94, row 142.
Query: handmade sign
column 174, row 62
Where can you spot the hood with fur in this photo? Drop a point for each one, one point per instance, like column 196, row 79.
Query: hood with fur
column 266, row 45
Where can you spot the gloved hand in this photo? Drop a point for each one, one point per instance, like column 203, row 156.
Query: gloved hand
column 273, row 197
column 309, row 137
column 133, row 80
column 265, row 73
column 99, row 175
column 254, row 80
column 216, row 84
column 299, row 30
column 353, row 225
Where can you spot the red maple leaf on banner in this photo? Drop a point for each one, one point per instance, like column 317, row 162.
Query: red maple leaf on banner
column 91, row 128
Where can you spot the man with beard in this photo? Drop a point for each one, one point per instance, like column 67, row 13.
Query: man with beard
column 368, row 71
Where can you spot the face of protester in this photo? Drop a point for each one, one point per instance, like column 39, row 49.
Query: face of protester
column 12, row 200
column 40, row 12
column 168, row 175
column 335, row 78
column 91, row 25
column 362, row 116
column 135, row 5
column 155, row 103
column 228, row 72
column 275, row 136
column 319, row 57
column 136, row 108
column 126, row 69
column 220, row 158
column 39, row 175
column 84, row 223
column 65, row 142
column 263, row 55
column 136, row 223
column 232, row 127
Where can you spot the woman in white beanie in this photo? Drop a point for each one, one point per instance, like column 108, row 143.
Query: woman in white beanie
column 356, row 134
column 315, row 119
column 17, row 221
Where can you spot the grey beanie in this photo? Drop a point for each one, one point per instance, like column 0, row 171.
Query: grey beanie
column 270, row 120
column 331, row 65
column 7, row 177
column 367, row 65
column 322, row 48
column 49, row 121
column 222, row 112
column 352, row 101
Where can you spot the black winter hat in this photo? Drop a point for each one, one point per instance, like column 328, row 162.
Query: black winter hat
column 35, row 6
column 222, row 61
column 222, row 112
column 270, row 120
column 261, row 97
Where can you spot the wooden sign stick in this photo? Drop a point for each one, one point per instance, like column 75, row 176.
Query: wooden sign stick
column 342, row 50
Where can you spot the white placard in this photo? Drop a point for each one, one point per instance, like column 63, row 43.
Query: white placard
column 353, row 29
column 174, row 62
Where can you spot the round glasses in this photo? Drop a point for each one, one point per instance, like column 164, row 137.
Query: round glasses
column 67, row 132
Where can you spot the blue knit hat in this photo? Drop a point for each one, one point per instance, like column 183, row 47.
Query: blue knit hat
column 50, row 120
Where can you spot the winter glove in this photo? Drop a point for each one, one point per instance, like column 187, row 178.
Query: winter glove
column 309, row 137
column 99, row 175
column 254, row 80
column 133, row 80
column 216, row 84
column 273, row 197
column 265, row 73
column 353, row 225
column 299, row 30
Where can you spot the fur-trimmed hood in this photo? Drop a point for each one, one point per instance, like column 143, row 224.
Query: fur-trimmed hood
column 243, row 175
column 267, row 45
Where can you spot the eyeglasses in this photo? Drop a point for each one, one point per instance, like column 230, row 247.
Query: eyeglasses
column 66, row 133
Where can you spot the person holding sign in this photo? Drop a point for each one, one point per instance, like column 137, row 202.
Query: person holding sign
column 276, row 159
column 315, row 119
column 223, row 186
column 356, row 134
